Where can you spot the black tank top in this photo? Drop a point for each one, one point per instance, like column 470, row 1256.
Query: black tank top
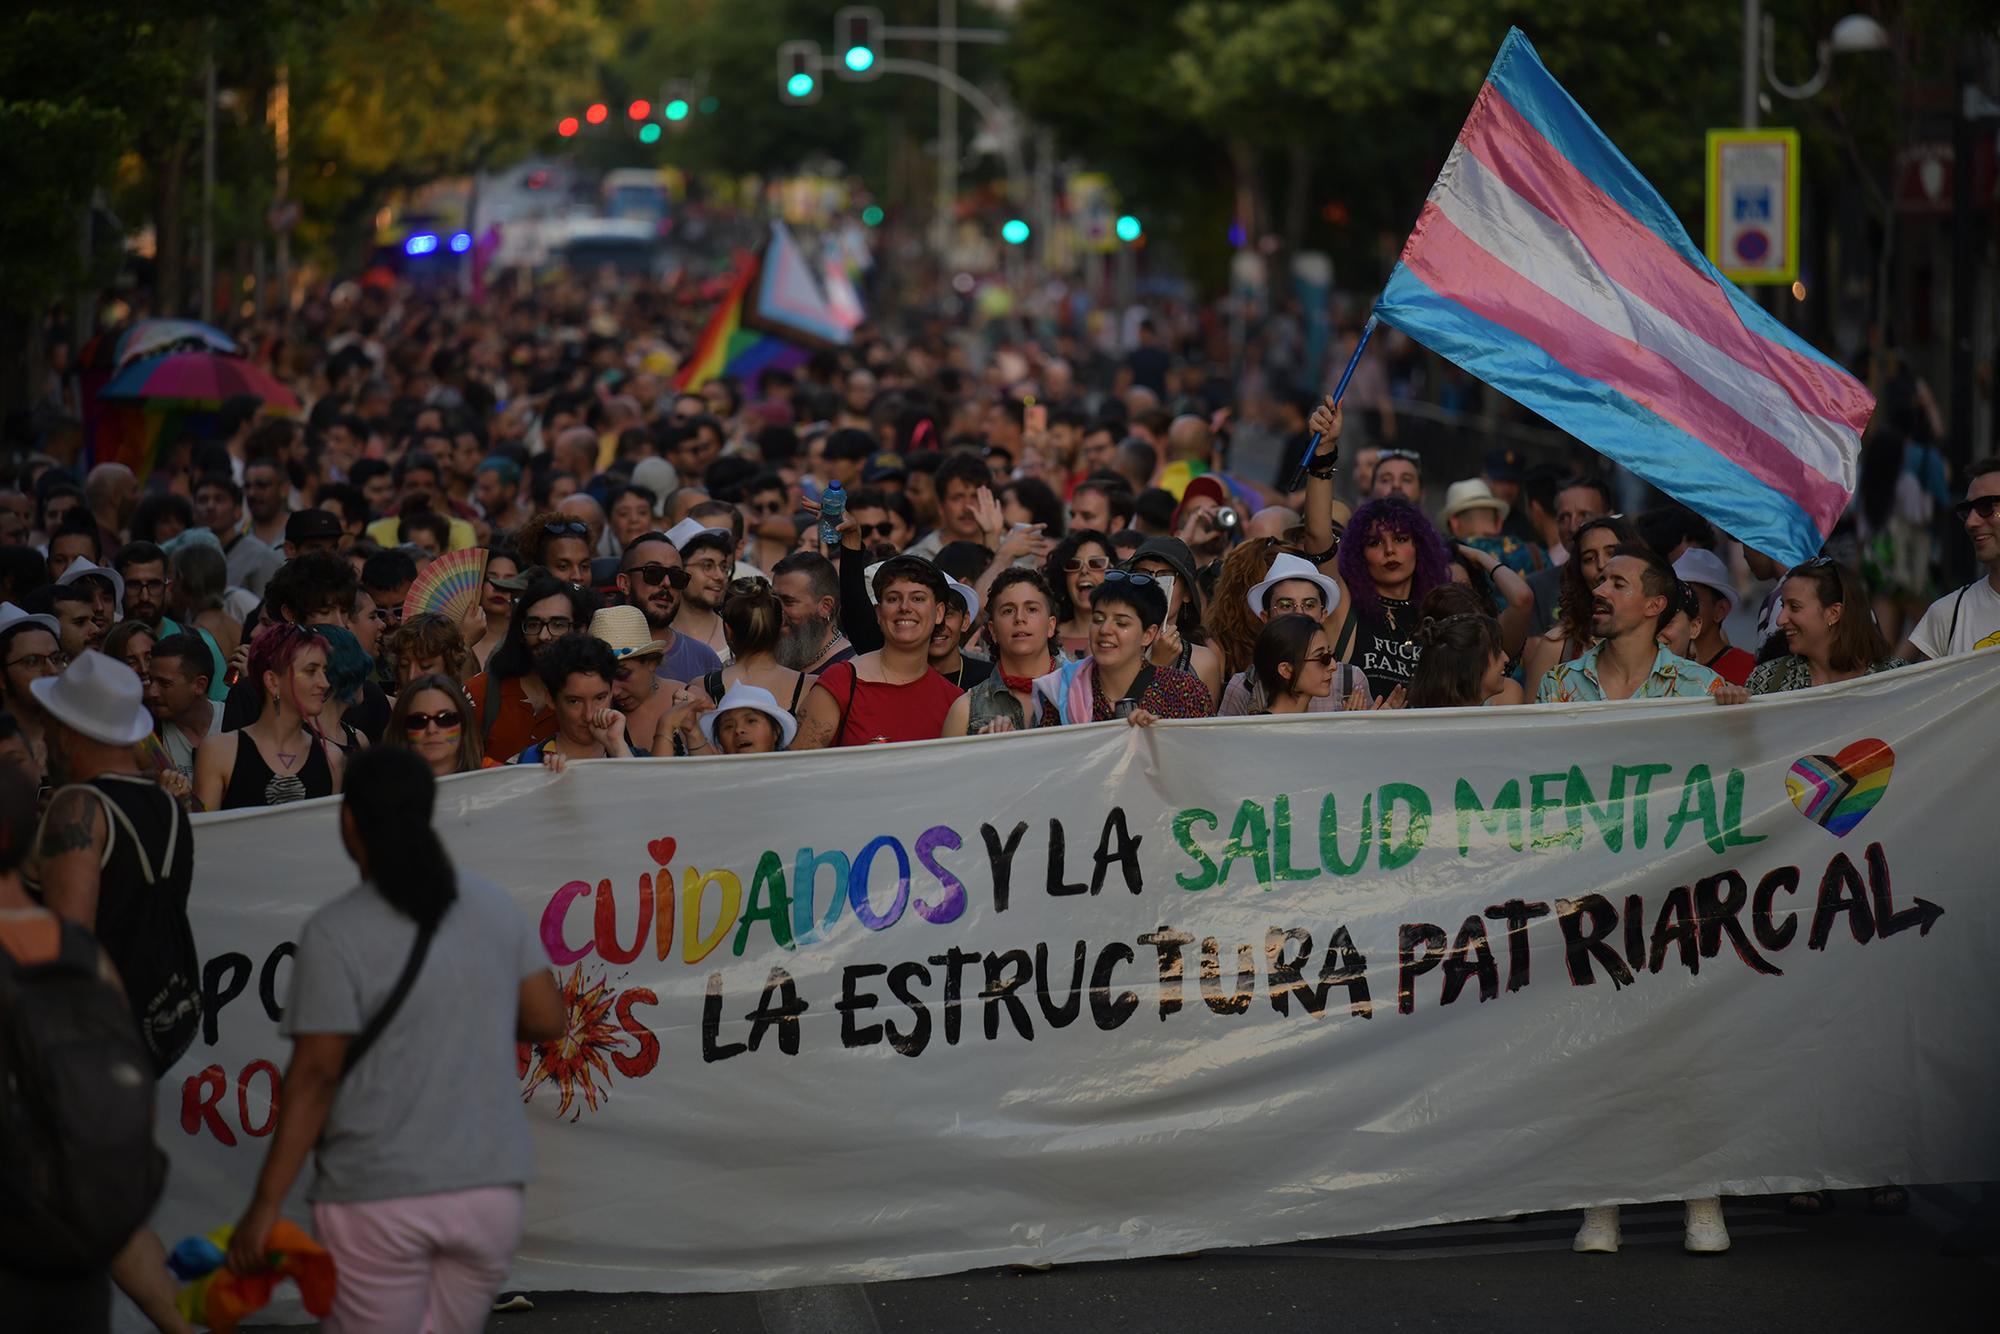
column 1383, row 647
column 253, row 783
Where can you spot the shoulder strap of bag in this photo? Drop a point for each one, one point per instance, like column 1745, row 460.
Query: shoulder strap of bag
column 1956, row 603
column 1346, row 637
column 115, row 820
column 397, row 995
column 1140, row 684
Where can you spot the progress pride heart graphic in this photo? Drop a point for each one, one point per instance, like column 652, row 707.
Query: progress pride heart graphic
column 1836, row 791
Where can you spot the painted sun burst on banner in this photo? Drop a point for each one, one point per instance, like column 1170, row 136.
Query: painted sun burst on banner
column 576, row 1062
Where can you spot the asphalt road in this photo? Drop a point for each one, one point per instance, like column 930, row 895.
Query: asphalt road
column 1845, row 1271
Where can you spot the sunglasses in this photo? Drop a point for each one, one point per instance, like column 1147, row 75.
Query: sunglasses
column 444, row 720
column 770, row 509
column 1323, row 658
column 868, row 530
column 656, row 573
column 1808, row 567
column 566, row 528
column 1406, row 455
column 1986, row 507
column 1132, row 577
column 1076, row 564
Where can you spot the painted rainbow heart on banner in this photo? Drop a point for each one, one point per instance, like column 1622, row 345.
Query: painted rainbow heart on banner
column 1836, row 791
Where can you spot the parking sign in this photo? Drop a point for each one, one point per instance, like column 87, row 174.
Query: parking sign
column 1753, row 204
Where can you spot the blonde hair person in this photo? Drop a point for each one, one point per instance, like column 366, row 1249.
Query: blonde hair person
column 428, row 644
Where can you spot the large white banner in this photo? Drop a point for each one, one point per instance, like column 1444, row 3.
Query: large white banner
column 1099, row 992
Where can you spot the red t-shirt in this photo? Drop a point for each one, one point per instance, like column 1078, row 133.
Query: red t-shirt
column 875, row 711
column 1733, row 665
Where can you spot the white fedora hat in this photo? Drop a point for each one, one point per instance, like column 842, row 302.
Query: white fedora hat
column 743, row 695
column 12, row 616
column 99, row 697
column 83, row 565
column 1287, row 566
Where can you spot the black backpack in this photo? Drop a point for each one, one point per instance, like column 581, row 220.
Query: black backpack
column 79, row 1171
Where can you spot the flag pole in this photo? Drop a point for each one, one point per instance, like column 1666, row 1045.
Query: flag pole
column 1312, row 446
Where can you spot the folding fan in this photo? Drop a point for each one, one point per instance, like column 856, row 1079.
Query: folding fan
column 449, row 586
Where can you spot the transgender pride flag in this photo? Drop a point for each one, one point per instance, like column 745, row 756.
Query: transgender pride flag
column 1544, row 264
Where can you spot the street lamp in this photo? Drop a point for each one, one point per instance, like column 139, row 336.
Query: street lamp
column 1857, row 34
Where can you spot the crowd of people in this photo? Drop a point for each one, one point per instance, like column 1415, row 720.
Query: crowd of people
column 1040, row 540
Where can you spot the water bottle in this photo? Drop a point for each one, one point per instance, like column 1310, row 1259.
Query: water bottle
column 832, row 509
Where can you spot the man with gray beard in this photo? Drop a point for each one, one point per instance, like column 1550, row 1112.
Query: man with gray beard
column 809, row 587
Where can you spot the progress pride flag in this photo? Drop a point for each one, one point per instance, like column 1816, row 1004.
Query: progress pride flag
column 1546, row 265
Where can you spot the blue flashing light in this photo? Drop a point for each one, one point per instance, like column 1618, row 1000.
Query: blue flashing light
column 423, row 243
column 461, row 242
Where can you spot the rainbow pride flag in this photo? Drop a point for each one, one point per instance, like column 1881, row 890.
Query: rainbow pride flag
column 729, row 347
column 1546, row 265
column 774, row 313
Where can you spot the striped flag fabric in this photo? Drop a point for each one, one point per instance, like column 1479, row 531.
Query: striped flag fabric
column 1546, row 265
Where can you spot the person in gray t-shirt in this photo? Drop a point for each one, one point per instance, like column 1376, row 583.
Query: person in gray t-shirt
column 421, row 1144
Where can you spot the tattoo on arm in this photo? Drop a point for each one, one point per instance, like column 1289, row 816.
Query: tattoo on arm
column 70, row 825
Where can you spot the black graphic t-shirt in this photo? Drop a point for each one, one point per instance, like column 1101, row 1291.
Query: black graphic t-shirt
column 1383, row 646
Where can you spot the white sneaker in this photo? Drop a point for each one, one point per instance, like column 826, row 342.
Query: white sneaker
column 1599, row 1233
column 1706, row 1234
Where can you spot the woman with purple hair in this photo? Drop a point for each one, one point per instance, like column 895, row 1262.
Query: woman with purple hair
column 283, row 756
column 1390, row 559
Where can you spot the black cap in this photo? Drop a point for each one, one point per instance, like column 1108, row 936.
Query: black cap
column 313, row 526
column 882, row 466
column 1504, row 465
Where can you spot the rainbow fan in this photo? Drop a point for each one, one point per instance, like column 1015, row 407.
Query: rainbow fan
column 448, row 586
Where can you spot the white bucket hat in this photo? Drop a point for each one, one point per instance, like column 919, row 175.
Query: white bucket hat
column 743, row 695
column 83, row 565
column 99, row 697
column 1287, row 566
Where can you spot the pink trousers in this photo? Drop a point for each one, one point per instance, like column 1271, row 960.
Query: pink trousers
column 423, row 1264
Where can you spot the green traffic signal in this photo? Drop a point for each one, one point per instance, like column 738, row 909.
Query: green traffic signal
column 1014, row 231
column 1129, row 229
column 872, row 216
column 649, row 133
column 676, row 109
column 800, row 84
column 860, row 59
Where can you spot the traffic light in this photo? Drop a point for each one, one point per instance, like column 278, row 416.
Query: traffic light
column 1128, row 229
column 1014, row 232
column 798, row 73
column 676, row 102
column 857, row 39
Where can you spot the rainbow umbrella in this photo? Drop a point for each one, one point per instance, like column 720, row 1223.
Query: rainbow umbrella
column 197, row 377
column 150, row 338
